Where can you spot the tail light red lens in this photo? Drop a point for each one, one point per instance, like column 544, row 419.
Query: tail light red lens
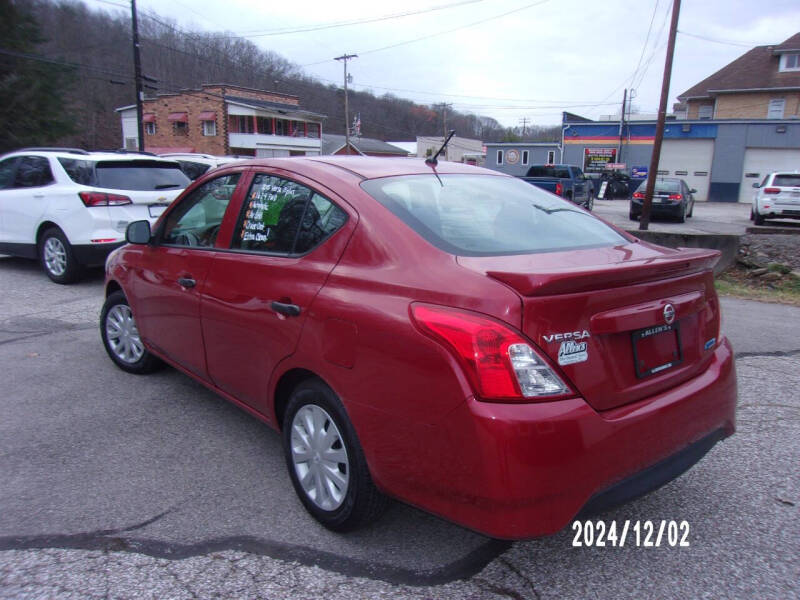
column 103, row 199
column 638, row 195
column 500, row 364
column 675, row 197
column 559, row 189
column 772, row 190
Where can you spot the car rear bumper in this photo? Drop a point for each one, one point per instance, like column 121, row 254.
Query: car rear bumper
column 527, row 470
column 672, row 210
column 92, row 255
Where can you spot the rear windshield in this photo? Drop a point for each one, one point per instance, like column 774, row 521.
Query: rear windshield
column 138, row 175
column 548, row 171
column 786, row 180
column 485, row 215
column 661, row 186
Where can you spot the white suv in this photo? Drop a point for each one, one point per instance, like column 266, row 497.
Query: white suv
column 69, row 208
column 778, row 197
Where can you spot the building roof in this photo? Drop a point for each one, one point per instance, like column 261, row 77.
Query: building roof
column 279, row 107
column 332, row 143
column 756, row 69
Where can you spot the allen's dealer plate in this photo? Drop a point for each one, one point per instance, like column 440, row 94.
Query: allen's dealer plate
column 656, row 349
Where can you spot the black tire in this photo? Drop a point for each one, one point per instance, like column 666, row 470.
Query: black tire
column 633, row 216
column 758, row 218
column 361, row 503
column 140, row 362
column 682, row 215
column 590, row 202
column 57, row 258
column 691, row 210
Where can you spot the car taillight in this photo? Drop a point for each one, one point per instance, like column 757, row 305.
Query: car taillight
column 500, row 364
column 103, row 199
column 638, row 195
column 772, row 190
column 675, row 197
column 559, row 189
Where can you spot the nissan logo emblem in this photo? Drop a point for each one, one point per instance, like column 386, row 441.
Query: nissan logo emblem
column 669, row 314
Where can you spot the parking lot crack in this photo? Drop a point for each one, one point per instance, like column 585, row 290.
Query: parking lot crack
column 739, row 355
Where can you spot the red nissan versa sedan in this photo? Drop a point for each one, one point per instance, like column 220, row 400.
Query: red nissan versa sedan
column 446, row 335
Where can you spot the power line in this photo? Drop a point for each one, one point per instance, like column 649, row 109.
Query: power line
column 644, row 46
column 716, row 41
column 437, row 34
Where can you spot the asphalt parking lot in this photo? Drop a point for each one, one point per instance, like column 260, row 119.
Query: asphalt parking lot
column 118, row 486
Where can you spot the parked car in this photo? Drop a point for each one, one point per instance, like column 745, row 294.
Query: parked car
column 453, row 338
column 194, row 165
column 671, row 198
column 566, row 181
column 69, row 208
column 778, row 197
column 618, row 184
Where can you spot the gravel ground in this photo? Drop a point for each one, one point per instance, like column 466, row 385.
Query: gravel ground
column 784, row 249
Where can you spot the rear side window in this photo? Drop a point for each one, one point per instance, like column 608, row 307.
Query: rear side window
column 136, row 175
column 548, row 171
column 33, row 171
column 485, row 215
column 280, row 216
column 7, row 169
column 786, row 180
column 192, row 169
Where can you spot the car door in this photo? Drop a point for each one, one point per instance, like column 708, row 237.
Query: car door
column 170, row 273
column 25, row 200
column 288, row 237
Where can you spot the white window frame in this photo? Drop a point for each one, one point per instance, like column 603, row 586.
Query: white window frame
column 785, row 58
column 209, row 128
column 772, row 108
column 705, row 111
column 551, row 157
column 499, row 157
column 150, row 128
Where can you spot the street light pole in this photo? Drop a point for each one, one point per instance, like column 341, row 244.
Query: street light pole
column 644, row 220
column 344, row 58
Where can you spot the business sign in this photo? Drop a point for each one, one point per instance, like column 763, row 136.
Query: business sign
column 615, row 166
column 596, row 159
column 639, row 172
column 512, row 157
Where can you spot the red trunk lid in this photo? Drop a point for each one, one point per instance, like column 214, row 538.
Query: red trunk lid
column 622, row 323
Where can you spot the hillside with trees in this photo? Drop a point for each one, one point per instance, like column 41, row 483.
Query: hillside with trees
column 95, row 49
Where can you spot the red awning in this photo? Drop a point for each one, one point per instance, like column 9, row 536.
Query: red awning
column 148, row 118
column 208, row 115
column 178, row 117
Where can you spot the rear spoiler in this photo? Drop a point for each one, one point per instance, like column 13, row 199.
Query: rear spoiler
column 595, row 277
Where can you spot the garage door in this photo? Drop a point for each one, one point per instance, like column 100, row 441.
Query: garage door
column 759, row 162
column 689, row 160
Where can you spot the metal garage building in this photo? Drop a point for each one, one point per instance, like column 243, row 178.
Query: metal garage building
column 721, row 159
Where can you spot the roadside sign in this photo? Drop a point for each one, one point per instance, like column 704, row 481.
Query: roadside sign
column 639, row 172
column 596, row 159
column 602, row 193
column 615, row 166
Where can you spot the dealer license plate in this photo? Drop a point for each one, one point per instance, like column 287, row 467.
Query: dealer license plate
column 656, row 349
column 157, row 209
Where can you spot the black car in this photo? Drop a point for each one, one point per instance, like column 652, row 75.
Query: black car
column 671, row 198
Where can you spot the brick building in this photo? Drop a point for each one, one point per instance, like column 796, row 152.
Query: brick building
column 763, row 83
column 225, row 119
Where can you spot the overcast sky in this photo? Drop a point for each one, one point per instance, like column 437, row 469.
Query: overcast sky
column 538, row 59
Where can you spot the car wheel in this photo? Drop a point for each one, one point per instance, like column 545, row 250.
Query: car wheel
column 325, row 461
column 691, row 210
column 758, row 218
column 682, row 215
column 633, row 216
column 590, row 202
column 57, row 258
column 121, row 337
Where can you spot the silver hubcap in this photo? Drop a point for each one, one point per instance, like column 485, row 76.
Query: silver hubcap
column 122, row 335
column 319, row 457
column 55, row 256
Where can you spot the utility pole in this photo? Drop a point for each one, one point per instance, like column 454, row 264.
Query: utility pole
column 444, row 106
column 137, row 74
column 524, row 122
column 621, row 125
column 344, row 58
column 644, row 220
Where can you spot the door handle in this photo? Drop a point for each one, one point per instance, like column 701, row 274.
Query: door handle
column 186, row 282
column 38, row 196
column 290, row 310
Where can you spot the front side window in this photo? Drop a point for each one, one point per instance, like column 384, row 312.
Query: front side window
column 197, row 219
column 7, row 169
column 486, row 215
column 280, row 216
column 33, row 171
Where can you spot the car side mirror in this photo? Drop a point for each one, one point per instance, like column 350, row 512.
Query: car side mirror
column 138, row 232
column 692, row 191
column 756, row 185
